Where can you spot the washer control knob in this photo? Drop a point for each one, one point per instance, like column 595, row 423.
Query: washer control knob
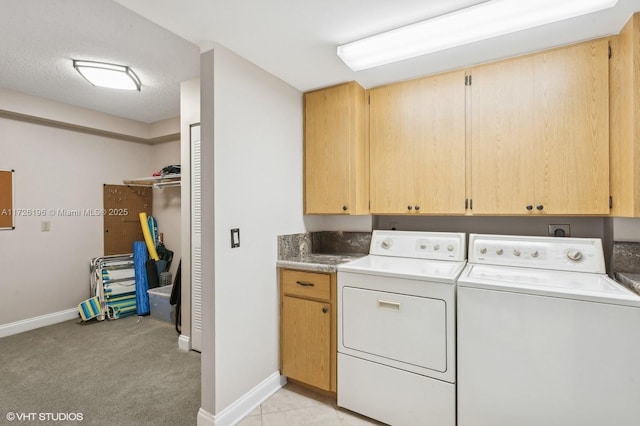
column 574, row 255
column 516, row 252
column 534, row 253
column 450, row 247
column 436, row 247
column 423, row 246
column 483, row 250
column 499, row 252
column 387, row 243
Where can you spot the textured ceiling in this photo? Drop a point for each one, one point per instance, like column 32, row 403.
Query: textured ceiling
column 39, row 38
column 293, row 39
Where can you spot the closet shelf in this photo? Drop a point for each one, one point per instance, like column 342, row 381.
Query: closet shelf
column 156, row 182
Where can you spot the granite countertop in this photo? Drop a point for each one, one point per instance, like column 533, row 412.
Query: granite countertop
column 629, row 280
column 321, row 251
column 315, row 262
column 625, row 264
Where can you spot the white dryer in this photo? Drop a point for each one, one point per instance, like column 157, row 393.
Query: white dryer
column 544, row 337
column 396, row 328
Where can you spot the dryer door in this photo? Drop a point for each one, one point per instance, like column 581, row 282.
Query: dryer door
column 398, row 327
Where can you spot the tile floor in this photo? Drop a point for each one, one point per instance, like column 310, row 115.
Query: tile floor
column 296, row 406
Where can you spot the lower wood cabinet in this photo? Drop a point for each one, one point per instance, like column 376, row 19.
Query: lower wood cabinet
column 308, row 328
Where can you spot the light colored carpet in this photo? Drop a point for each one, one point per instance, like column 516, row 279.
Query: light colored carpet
column 123, row 372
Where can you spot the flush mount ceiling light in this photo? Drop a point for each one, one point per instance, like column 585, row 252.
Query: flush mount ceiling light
column 108, row 75
column 479, row 22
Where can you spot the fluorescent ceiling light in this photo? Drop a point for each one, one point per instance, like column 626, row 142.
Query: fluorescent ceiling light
column 108, row 75
column 479, row 22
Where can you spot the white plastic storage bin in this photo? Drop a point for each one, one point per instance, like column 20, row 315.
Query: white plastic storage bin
column 159, row 304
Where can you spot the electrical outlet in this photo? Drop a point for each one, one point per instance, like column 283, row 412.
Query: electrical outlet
column 560, row 230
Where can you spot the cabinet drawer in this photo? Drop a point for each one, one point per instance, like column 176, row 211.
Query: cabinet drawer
column 306, row 284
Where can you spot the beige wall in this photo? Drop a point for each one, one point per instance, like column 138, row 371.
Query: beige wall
column 65, row 167
column 12, row 102
column 166, row 201
column 47, row 272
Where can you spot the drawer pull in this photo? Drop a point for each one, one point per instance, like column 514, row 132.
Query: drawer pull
column 392, row 306
column 305, row 284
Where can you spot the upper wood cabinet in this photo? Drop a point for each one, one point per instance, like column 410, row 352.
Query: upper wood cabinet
column 503, row 144
column 540, row 133
column 417, row 142
column 336, row 177
column 625, row 120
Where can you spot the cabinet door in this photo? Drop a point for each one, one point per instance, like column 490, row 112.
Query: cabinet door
column 502, row 137
column 392, row 138
column 417, row 137
column 624, row 136
column 336, row 163
column 572, row 131
column 306, row 346
column 440, row 144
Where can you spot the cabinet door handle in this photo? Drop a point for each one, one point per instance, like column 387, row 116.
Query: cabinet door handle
column 305, row 283
column 325, row 310
column 529, row 207
column 345, row 208
column 409, row 207
column 539, row 207
column 417, row 208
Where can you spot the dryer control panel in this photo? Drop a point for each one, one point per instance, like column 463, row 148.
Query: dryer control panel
column 419, row 245
column 563, row 254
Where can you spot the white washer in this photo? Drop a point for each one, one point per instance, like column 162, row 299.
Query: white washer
column 396, row 328
column 544, row 337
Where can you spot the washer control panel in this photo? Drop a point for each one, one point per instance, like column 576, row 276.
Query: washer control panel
column 565, row 254
column 419, row 245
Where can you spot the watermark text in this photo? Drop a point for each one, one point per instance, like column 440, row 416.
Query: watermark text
column 84, row 212
column 44, row 417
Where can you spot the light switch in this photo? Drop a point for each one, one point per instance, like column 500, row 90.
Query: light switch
column 235, row 237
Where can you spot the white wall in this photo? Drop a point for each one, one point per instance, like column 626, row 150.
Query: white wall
column 258, row 188
column 626, row 229
column 339, row 223
column 208, row 247
column 166, row 201
column 47, row 272
column 589, row 227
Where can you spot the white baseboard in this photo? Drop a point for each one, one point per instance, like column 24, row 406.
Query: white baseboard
column 245, row 404
column 205, row 418
column 184, row 343
column 37, row 322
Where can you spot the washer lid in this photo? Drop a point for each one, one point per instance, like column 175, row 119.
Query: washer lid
column 570, row 285
column 399, row 267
